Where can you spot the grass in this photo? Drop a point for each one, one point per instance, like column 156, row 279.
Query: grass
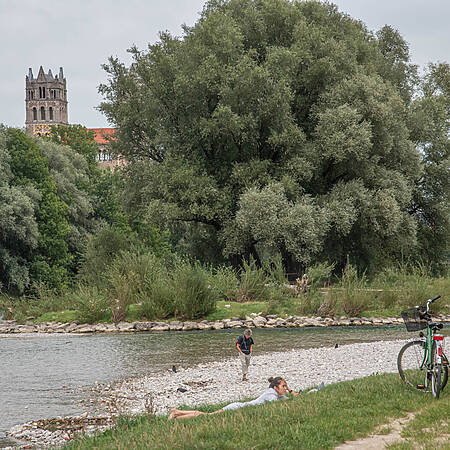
column 235, row 309
column 327, row 418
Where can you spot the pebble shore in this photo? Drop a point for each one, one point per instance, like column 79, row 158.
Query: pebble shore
column 218, row 382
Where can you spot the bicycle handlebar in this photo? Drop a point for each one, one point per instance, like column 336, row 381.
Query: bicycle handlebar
column 431, row 300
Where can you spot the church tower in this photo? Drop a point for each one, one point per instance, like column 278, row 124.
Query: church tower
column 45, row 101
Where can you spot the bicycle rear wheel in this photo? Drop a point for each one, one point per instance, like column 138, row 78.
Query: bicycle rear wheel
column 444, row 371
column 436, row 373
column 409, row 362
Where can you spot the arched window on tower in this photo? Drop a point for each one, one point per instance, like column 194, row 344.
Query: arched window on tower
column 42, row 113
column 40, row 92
column 43, row 92
column 50, row 113
column 34, row 114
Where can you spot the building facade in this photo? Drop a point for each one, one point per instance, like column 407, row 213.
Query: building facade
column 104, row 158
column 45, row 101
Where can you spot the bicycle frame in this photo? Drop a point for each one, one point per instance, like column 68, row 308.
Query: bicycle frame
column 430, row 338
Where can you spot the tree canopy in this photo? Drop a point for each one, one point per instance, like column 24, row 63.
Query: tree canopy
column 285, row 127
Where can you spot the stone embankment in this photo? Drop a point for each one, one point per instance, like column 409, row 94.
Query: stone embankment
column 253, row 321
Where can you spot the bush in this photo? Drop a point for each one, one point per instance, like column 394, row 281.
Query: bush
column 310, row 303
column 102, row 249
column 161, row 302
column 92, row 305
column 195, row 298
column 252, row 284
column 318, row 275
column 224, row 281
column 355, row 299
column 328, row 306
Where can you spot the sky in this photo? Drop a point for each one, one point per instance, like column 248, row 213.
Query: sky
column 80, row 35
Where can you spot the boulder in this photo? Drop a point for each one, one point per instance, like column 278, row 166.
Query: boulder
column 160, row 326
column 235, row 324
column 175, row 325
column 259, row 321
column 143, row 326
column 190, row 326
column 125, row 327
column 205, row 326
column 218, row 325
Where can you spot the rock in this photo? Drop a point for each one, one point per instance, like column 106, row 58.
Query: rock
column 218, row 325
column 160, row 326
column 175, row 326
column 205, row 326
column 190, row 326
column 259, row 321
column 235, row 324
column 125, row 326
column 84, row 328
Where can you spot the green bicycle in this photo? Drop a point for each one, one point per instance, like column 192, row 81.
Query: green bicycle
column 422, row 364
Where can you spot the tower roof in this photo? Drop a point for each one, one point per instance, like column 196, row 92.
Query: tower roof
column 42, row 76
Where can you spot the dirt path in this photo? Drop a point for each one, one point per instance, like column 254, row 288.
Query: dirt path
column 378, row 441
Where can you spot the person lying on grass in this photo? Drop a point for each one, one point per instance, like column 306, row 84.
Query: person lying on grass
column 277, row 390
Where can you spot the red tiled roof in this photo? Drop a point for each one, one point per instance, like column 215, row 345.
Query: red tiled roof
column 102, row 135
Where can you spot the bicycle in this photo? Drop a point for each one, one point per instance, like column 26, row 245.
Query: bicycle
column 422, row 363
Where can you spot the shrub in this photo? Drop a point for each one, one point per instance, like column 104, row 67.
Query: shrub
column 195, row 298
column 275, row 271
column 102, row 249
column 161, row 302
column 225, row 282
column 354, row 298
column 92, row 305
column 252, row 284
column 311, row 302
column 328, row 306
column 319, row 274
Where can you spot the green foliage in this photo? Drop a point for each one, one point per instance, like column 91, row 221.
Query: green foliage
column 50, row 260
column 354, row 297
column 195, row 298
column 80, row 139
column 252, row 284
column 278, row 128
column 224, row 281
column 101, row 250
column 92, row 305
column 319, row 275
column 430, row 125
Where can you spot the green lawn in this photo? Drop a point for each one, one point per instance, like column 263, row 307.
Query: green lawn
column 324, row 419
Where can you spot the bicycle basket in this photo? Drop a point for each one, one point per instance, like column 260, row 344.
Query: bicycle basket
column 413, row 320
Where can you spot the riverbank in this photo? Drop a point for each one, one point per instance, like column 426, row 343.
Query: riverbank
column 253, row 321
column 219, row 382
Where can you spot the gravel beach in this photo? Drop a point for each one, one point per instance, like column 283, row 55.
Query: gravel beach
column 219, row 382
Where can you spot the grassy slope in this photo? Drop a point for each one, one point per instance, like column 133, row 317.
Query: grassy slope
column 319, row 420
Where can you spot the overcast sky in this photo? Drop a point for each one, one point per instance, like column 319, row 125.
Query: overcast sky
column 80, row 35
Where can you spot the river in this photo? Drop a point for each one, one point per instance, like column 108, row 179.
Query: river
column 47, row 375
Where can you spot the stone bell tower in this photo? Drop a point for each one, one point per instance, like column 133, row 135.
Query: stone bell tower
column 45, row 101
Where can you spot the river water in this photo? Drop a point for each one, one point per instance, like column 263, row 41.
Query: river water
column 47, row 375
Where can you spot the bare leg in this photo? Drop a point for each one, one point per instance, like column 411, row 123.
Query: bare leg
column 181, row 414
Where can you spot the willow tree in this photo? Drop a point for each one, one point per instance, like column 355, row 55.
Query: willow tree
column 272, row 126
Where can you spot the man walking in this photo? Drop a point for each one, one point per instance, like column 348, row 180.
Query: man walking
column 244, row 345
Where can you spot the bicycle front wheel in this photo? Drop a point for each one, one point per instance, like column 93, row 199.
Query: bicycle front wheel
column 409, row 364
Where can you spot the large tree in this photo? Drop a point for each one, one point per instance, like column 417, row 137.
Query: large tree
column 275, row 125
